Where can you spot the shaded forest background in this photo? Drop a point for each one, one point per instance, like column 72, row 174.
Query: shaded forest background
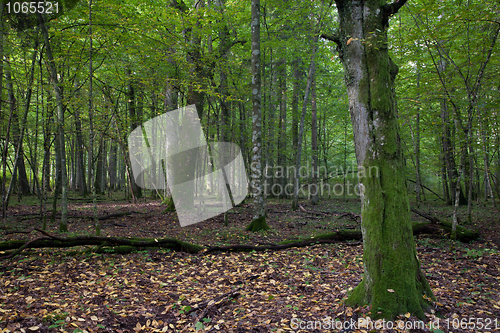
column 74, row 85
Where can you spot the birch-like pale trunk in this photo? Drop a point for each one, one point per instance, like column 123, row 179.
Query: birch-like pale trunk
column 259, row 205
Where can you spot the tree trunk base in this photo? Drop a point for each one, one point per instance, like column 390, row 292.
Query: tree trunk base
column 258, row 224
column 388, row 304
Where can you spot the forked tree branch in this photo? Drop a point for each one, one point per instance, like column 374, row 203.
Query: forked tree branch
column 393, row 8
column 333, row 38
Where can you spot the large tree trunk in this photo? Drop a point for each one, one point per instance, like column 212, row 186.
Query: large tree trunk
column 393, row 282
column 259, row 205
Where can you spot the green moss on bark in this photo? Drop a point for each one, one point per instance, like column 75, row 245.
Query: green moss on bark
column 258, row 224
column 392, row 283
column 169, row 202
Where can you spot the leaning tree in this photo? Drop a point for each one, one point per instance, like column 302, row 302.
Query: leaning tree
column 393, row 282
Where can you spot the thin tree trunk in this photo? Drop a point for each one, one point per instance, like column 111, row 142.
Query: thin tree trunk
column 488, row 189
column 314, row 144
column 81, row 183
column 297, row 77
column 449, row 158
column 282, row 137
column 19, row 159
column 259, row 205
column 418, row 185
column 455, row 208
column 63, row 224
column 113, row 166
column 296, row 189
column 99, row 168
column 134, row 122
column 57, row 177
column 271, row 128
column 4, row 148
column 92, row 177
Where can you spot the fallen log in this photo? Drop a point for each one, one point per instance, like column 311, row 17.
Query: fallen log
column 335, row 237
column 62, row 242
column 51, row 241
column 243, row 248
column 463, row 234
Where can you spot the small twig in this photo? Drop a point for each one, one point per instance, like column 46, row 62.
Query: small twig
column 210, row 304
column 216, row 299
column 310, row 217
column 311, row 212
column 49, row 235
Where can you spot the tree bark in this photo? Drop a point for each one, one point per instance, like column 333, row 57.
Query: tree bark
column 314, row 144
column 63, row 224
column 134, row 122
column 282, row 137
column 295, row 201
column 19, row 176
column 81, row 184
column 113, row 166
column 393, row 282
column 259, row 205
column 4, row 148
column 418, row 187
column 24, row 188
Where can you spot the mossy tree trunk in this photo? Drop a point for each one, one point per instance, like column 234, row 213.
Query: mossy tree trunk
column 259, row 205
column 393, row 282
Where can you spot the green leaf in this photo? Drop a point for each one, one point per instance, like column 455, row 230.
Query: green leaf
column 198, row 326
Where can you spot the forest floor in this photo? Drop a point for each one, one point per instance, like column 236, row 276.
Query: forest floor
column 298, row 289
